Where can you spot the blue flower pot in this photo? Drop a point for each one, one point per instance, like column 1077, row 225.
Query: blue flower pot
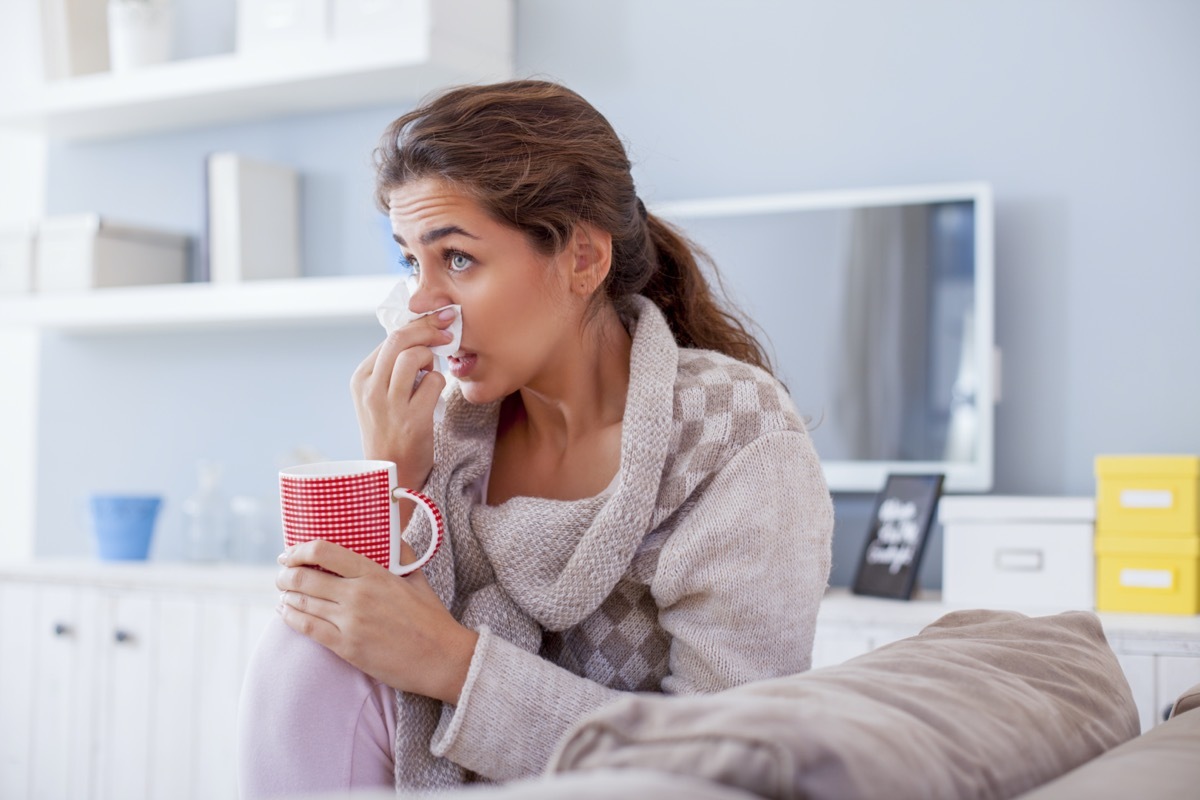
column 123, row 525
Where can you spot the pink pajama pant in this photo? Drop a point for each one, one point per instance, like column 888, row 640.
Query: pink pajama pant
column 308, row 722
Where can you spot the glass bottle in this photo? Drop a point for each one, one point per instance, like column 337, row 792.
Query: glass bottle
column 206, row 517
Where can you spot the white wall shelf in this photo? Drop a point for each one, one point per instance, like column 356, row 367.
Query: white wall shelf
column 201, row 305
column 453, row 41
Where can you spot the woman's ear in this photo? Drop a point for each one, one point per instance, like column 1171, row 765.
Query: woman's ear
column 591, row 258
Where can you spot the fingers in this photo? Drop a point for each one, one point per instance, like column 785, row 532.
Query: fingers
column 307, row 581
column 363, row 371
column 344, row 563
column 313, row 606
column 406, row 370
column 423, row 397
column 321, row 631
column 422, row 332
column 395, row 372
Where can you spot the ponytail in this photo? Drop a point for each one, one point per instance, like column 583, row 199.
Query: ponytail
column 680, row 289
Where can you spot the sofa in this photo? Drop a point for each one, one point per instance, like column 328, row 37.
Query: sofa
column 980, row 704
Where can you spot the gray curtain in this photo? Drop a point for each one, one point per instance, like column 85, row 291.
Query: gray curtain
column 880, row 376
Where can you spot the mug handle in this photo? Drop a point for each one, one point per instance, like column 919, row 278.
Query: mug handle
column 435, row 521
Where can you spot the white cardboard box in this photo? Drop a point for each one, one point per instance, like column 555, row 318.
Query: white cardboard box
column 74, row 37
column 274, row 24
column 1018, row 552
column 378, row 20
column 84, row 251
column 253, row 225
column 16, row 259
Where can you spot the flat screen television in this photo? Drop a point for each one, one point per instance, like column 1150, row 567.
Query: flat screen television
column 877, row 307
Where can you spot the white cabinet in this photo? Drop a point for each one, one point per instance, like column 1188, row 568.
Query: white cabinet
column 16, row 678
column 123, row 692
column 1173, row 676
column 1139, row 671
column 1160, row 655
column 64, row 637
column 122, row 682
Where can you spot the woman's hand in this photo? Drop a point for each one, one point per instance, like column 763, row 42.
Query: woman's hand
column 394, row 629
column 395, row 412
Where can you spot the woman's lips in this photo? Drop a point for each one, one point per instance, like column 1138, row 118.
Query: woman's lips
column 462, row 364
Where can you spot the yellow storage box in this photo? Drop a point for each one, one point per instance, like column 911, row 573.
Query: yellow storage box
column 1148, row 576
column 1148, row 496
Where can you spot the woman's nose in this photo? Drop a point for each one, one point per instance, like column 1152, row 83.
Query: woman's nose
column 425, row 295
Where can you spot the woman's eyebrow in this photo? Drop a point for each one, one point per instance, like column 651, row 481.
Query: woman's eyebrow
column 429, row 237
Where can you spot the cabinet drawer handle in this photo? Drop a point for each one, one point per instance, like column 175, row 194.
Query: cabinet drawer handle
column 1019, row 560
column 62, row 629
column 121, row 637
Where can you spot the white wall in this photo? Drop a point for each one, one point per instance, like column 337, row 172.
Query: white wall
column 1081, row 113
column 19, row 445
column 22, row 200
column 22, row 154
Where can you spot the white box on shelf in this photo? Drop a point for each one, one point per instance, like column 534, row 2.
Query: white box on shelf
column 139, row 33
column 74, row 37
column 17, row 245
column 253, row 228
column 84, row 251
column 356, row 20
column 1018, row 552
column 273, row 24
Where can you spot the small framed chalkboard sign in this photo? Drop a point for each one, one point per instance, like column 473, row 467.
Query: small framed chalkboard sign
column 900, row 525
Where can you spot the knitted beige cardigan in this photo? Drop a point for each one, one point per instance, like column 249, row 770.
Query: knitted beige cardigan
column 702, row 568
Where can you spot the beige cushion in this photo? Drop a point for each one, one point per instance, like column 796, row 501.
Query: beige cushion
column 1162, row 763
column 609, row 785
column 1187, row 701
column 981, row 704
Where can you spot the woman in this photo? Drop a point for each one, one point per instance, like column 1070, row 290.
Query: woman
column 632, row 502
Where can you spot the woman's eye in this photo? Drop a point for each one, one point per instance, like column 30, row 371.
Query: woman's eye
column 459, row 262
column 410, row 264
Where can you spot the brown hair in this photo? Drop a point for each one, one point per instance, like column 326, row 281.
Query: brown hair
column 540, row 158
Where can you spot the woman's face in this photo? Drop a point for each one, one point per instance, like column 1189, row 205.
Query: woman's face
column 517, row 309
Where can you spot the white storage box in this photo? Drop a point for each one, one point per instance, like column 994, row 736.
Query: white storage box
column 378, row 20
column 74, row 37
column 1018, row 552
column 76, row 253
column 253, row 219
column 274, row 24
column 16, row 259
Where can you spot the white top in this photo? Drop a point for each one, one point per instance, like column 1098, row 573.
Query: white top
column 994, row 508
column 479, row 488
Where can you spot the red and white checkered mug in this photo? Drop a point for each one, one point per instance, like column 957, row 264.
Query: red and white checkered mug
column 354, row 504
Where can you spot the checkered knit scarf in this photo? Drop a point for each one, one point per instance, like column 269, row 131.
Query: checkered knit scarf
column 569, row 579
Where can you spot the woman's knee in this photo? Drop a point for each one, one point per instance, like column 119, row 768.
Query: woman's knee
column 289, row 672
column 309, row 720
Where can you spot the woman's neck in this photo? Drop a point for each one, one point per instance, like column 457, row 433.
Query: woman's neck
column 583, row 392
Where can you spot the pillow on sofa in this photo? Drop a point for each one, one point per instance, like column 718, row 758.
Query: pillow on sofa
column 982, row 704
column 1188, row 701
column 1162, row 762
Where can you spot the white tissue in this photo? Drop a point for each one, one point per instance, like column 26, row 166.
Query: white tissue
column 393, row 313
